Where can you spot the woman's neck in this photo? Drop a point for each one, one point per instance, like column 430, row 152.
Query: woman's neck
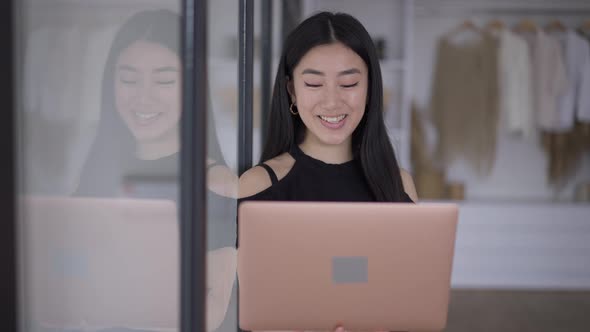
column 164, row 147
column 328, row 153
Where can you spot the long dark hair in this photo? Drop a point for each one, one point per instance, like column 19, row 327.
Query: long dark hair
column 370, row 142
column 114, row 142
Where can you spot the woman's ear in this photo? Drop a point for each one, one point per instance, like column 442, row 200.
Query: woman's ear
column 291, row 90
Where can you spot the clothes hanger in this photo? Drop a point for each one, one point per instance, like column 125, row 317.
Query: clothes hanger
column 467, row 25
column 555, row 26
column 495, row 24
column 526, row 25
column 585, row 27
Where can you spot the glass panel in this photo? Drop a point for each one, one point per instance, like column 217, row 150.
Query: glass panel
column 222, row 158
column 99, row 121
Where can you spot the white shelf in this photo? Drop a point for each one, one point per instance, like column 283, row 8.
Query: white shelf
column 528, row 245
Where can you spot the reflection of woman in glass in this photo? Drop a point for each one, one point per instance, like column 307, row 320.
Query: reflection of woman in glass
column 141, row 108
column 139, row 135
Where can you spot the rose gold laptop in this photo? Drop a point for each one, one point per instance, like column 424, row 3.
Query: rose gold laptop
column 100, row 263
column 366, row 266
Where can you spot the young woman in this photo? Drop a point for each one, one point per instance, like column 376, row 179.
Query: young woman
column 139, row 133
column 327, row 140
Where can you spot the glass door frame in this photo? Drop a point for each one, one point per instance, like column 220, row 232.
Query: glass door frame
column 193, row 196
column 8, row 231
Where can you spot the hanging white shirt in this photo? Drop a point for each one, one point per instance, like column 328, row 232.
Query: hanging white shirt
column 576, row 52
column 514, row 75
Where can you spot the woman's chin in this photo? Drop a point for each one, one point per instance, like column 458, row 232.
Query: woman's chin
column 333, row 139
column 154, row 135
column 145, row 136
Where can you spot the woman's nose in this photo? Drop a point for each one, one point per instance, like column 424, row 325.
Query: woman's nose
column 331, row 98
column 145, row 93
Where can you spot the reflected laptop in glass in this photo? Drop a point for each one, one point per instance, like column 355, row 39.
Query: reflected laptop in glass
column 100, row 263
column 366, row 266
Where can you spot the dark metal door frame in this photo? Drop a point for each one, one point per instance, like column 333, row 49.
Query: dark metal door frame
column 8, row 224
column 245, row 84
column 246, row 77
column 193, row 198
column 265, row 65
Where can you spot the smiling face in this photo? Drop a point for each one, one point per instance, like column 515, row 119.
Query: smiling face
column 147, row 90
column 329, row 88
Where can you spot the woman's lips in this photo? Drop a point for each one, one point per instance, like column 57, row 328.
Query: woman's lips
column 333, row 122
column 146, row 118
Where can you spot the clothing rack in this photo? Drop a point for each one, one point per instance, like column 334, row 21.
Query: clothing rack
column 539, row 11
column 462, row 11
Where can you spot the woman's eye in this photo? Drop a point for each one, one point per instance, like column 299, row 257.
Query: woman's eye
column 350, row 85
column 128, row 77
column 128, row 81
column 169, row 82
column 309, row 85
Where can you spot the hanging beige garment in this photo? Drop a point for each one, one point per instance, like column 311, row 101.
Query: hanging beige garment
column 564, row 152
column 429, row 180
column 464, row 102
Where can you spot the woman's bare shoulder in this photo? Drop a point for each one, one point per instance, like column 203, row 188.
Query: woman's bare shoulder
column 257, row 179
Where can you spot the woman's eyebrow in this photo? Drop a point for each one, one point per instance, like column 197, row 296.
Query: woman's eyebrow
column 313, row 72
column 166, row 69
column 128, row 68
column 349, row 72
column 344, row 72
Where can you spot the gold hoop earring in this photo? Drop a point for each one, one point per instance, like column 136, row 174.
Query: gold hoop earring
column 291, row 109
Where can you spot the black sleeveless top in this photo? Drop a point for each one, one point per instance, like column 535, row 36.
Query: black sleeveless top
column 314, row 180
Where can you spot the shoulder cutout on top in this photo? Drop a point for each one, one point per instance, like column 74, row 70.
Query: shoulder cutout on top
column 258, row 179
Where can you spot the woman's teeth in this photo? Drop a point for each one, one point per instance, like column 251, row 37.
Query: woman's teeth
column 146, row 116
column 335, row 119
